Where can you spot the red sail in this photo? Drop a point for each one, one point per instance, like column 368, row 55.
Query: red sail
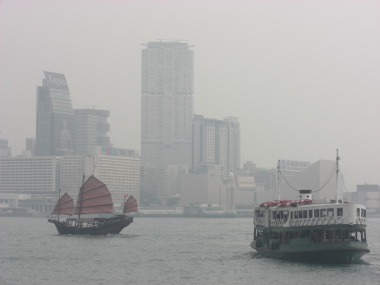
column 65, row 206
column 130, row 205
column 93, row 197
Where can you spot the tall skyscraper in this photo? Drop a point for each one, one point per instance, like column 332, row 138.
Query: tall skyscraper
column 216, row 143
column 91, row 128
column 55, row 117
column 166, row 108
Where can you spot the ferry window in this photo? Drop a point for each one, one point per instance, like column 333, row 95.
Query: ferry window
column 305, row 234
column 304, row 214
column 329, row 234
column 316, row 213
column 318, row 235
column 296, row 214
column 310, row 213
column 286, row 215
column 274, row 215
column 300, row 214
column 323, row 213
column 363, row 212
column 291, row 215
column 338, row 234
column 358, row 212
column 339, row 212
column 330, row 212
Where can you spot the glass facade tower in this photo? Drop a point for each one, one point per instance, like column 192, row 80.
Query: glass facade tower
column 91, row 128
column 55, row 117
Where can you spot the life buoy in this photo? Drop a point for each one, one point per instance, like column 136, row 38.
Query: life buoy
column 339, row 220
column 325, row 221
column 331, row 221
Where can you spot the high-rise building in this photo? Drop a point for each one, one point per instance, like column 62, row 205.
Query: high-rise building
column 166, row 109
column 5, row 150
column 91, row 128
column 30, row 146
column 55, row 117
column 216, row 142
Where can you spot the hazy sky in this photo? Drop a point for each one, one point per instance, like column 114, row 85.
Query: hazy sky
column 301, row 76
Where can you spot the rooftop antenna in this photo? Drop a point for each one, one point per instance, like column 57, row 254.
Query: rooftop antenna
column 337, row 175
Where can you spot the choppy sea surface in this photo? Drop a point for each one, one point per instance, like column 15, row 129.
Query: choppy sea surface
column 163, row 251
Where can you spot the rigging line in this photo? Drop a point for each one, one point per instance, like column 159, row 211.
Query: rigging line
column 288, row 182
column 344, row 184
column 331, row 175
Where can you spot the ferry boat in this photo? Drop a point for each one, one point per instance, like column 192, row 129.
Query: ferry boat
column 304, row 230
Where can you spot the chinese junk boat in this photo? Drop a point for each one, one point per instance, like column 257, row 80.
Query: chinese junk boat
column 93, row 198
column 304, row 230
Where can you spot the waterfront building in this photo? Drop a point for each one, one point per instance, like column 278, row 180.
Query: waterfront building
column 316, row 177
column 43, row 176
column 166, row 111
column 290, row 168
column 121, row 174
column 368, row 195
column 55, row 117
column 91, row 128
column 216, row 142
column 266, row 179
column 29, row 175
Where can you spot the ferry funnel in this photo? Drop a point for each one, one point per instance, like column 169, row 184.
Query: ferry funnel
column 305, row 195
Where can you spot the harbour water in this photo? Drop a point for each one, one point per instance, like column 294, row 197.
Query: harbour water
column 163, row 251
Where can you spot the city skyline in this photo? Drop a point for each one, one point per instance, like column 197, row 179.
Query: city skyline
column 302, row 78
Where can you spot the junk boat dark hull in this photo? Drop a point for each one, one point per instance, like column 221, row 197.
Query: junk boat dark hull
column 96, row 226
